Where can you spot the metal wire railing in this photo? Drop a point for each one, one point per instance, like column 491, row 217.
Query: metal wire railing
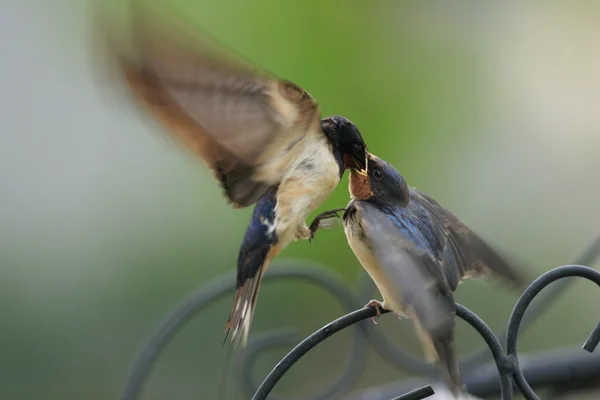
column 562, row 371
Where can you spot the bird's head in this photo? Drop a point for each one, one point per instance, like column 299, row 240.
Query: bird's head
column 381, row 181
column 344, row 135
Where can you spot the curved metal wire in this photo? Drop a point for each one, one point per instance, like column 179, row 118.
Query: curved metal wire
column 182, row 314
column 308, row 344
column 417, row 394
column 368, row 312
column 568, row 370
column 519, row 311
column 355, row 363
column 507, row 365
column 320, row 276
column 401, row 359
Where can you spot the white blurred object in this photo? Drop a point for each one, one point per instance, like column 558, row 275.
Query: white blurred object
column 442, row 393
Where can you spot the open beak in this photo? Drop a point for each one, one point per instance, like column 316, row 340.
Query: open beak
column 360, row 165
column 360, row 171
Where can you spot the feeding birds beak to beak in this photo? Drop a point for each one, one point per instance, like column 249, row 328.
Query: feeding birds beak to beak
column 357, row 160
column 262, row 136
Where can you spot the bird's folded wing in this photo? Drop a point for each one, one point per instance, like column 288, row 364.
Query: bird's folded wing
column 241, row 120
column 415, row 275
column 472, row 256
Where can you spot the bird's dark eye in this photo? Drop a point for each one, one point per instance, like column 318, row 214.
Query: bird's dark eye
column 357, row 147
column 377, row 174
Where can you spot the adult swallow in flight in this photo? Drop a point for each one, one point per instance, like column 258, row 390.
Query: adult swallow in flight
column 262, row 136
column 417, row 253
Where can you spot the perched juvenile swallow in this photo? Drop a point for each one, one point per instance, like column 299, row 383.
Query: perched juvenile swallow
column 417, row 253
column 262, row 136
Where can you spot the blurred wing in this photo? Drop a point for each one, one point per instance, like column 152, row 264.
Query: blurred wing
column 415, row 275
column 472, row 256
column 243, row 122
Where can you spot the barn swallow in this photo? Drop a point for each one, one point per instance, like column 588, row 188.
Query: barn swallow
column 417, row 253
column 263, row 137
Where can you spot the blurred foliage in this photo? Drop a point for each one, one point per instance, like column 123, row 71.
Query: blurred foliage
column 108, row 224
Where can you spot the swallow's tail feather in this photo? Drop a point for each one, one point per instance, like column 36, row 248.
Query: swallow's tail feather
column 435, row 323
column 257, row 250
column 241, row 315
column 245, row 298
column 446, row 350
column 439, row 347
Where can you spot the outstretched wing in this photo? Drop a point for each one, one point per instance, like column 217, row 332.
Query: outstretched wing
column 247, row 125
column 467, row 254
column 416, row 280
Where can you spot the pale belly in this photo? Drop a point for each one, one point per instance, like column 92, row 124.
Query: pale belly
column 310, row 182
column 390, row 295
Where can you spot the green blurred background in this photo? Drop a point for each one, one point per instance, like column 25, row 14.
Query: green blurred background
column 493, row 109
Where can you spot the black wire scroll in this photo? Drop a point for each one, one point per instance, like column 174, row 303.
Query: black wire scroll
column 520, row 308
column 480, row 381
column 508, row 366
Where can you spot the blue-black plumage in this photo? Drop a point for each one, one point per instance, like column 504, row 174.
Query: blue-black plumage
column 257, row 246
column 262, row 136
column 279, row 215
column 417, row 253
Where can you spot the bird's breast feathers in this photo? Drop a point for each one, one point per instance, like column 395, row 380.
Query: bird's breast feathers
column 360, row 245
column 311, row 179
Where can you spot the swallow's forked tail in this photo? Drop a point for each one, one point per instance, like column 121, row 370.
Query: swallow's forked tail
column 241, row 315
column 257, row 250
column 439, row 347
column 446, row 350
column 435, row 323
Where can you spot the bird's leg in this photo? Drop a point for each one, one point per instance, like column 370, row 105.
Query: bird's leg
column 379, row 306
column 319, row 219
